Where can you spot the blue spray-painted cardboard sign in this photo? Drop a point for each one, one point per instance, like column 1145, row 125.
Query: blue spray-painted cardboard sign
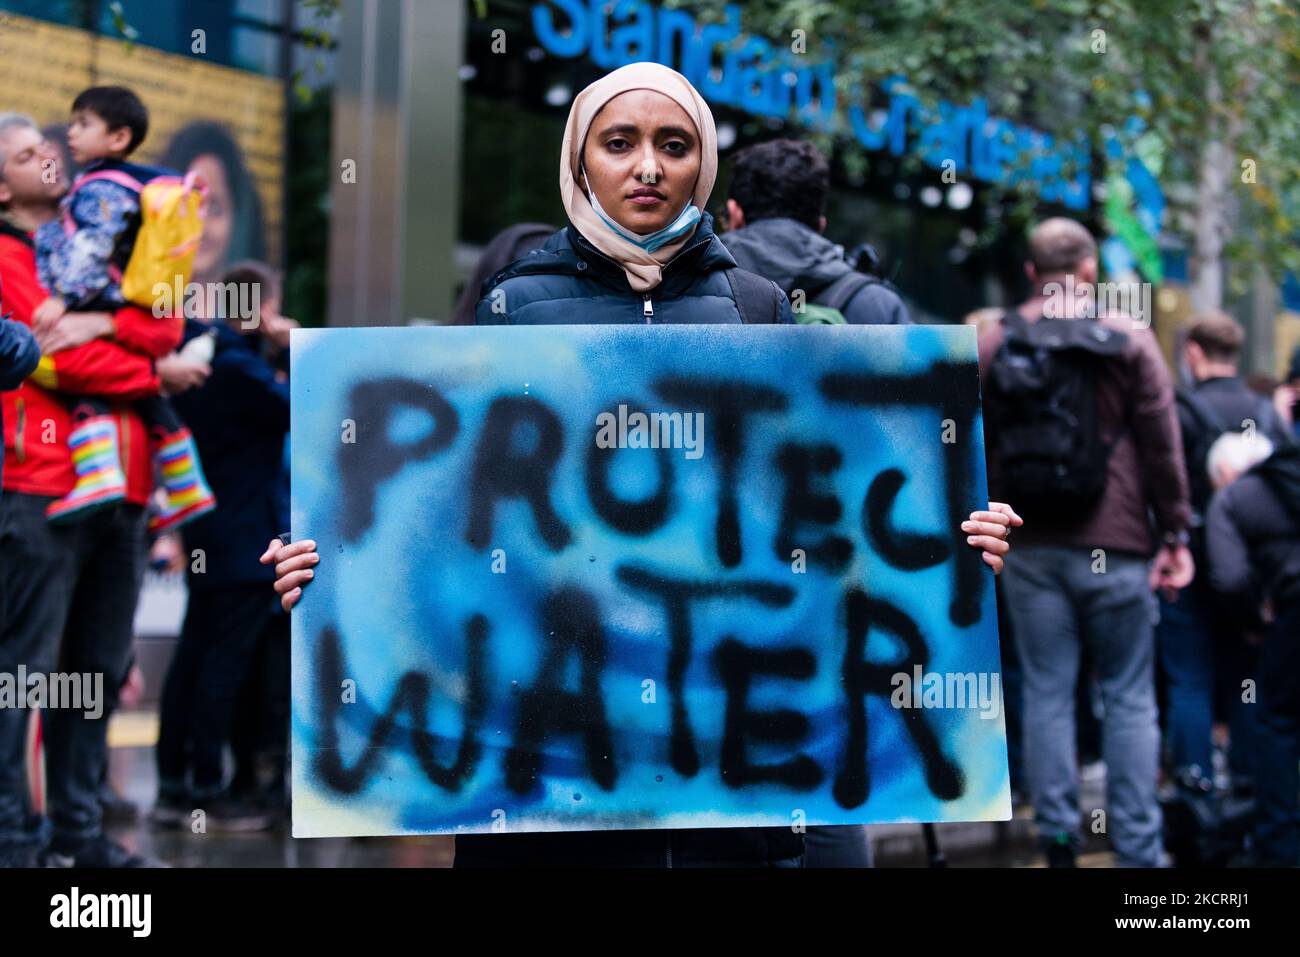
column 529, row 617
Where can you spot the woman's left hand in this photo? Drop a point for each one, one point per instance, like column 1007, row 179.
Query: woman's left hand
column 990, row 530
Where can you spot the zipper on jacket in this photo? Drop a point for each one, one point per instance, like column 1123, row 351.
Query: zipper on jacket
column 21, row 406
column 647, row 307
column 669, row 853
column 682, row 252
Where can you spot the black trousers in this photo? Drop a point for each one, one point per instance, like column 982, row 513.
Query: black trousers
column 1277, row 783
column 216, row 654
column 67, row 604
column 259, row 732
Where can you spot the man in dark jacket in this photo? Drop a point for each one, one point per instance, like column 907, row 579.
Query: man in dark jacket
column 775, row 217
column 239, row 419
column 1253, row 539
column 1076, row 579
column 1218, row 402
column 776, row 214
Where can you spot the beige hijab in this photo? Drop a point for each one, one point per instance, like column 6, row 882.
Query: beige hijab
column 643, row 268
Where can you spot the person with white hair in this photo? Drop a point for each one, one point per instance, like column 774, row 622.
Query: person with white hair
column 1253, row 539
column 1194, row 639
column 1233, row 454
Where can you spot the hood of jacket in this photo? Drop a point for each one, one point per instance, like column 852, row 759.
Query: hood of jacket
column 789, row 253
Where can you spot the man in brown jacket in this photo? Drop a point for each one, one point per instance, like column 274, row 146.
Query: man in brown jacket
column 1084, row 578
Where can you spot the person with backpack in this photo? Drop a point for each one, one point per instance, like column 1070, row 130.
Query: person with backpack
column 1082, row 436
column 776, row 214
column 1218, row 402
column 1253, row 542
column 776, row 206
column 637, row 165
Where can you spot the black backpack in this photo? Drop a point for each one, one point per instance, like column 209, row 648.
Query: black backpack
column 1045, row 426
column 1281, row 472
column 1204, row 828
column 840, row 293
column 1208, row 428
column 758, row 300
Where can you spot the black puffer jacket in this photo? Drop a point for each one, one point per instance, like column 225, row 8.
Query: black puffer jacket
column 569, row 281
column 1253, row 543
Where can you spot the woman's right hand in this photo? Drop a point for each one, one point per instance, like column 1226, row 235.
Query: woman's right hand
column 293, row 568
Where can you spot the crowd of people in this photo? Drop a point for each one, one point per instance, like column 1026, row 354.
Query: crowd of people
column 132, row 437
column 1151, row 591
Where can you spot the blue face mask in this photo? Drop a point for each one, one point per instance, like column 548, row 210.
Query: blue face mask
column 683, row 224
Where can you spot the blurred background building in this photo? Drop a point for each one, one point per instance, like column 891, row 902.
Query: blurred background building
column 476, row 94
column 379, row 144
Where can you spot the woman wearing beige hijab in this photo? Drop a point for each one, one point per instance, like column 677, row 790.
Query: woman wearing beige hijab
column 638, row 163
column 636, row 169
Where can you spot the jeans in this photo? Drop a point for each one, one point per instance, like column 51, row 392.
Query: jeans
column 212, row 662
column 1277, row 754
column 1059, row 604
column 1185, row 638
column 1235, row 662
column 70, row 597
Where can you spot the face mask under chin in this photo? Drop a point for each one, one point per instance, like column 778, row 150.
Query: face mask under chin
column 681, row 224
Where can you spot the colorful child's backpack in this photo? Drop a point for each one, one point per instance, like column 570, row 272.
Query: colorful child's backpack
column 172, row 209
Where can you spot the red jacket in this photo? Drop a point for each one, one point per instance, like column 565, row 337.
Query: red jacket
column 36, row 419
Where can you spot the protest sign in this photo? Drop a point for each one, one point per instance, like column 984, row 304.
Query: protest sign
column 589, row 577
